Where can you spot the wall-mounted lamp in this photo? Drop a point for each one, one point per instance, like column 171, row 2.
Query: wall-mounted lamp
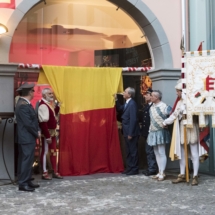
column 3, row 29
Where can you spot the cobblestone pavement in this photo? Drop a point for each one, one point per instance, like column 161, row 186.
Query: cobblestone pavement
column 110, row 194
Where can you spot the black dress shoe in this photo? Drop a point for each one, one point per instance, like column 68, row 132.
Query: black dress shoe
column 30, row 184
column 150, row 173
column 125, row 172
column 26, row 188
column 144, row 171
column 132, row 173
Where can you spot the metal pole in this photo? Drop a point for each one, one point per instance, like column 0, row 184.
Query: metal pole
column 186, row 154
column 183, row 22
column 183, row 28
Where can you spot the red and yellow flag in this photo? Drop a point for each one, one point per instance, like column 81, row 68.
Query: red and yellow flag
column 89, row 141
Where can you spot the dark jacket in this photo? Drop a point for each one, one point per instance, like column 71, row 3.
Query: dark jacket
column 146, row 120
column 27, row 123
column 130, row 123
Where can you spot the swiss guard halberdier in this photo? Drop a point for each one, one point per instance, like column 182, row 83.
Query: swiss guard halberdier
column 177, row 145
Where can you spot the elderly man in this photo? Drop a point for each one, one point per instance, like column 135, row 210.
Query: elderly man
column 131, row 130
column 151, row 160
column 192, row 138
column 48, row 124
column 158, row 136
column 27, row 133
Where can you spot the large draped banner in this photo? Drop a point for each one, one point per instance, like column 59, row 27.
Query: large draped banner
column 89, row 141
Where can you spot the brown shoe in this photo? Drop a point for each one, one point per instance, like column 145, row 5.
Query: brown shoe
column 181, row 178
column 45, row 176
column 161, row 177
column 195, row 181
column 156, row 176
column 56, row 175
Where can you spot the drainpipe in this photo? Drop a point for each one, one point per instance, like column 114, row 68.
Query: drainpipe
column 183, row 23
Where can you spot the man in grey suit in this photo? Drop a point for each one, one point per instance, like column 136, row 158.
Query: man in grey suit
column 27, row 133
column 131, row 130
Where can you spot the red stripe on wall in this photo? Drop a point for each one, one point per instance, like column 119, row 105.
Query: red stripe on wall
column 89, row 143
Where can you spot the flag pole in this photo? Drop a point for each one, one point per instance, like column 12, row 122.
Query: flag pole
column 186, row 152
column 184, row 117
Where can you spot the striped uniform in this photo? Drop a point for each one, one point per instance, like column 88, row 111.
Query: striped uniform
column 157, row 134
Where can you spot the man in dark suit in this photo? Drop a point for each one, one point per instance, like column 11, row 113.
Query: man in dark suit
column 151, row 160
column 131, row 130
column 27, row 132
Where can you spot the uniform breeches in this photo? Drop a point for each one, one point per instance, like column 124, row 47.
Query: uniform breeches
column 194, row 157
column 192, row 133
column 51, row 148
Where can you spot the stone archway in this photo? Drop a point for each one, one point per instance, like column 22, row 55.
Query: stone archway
column 137, row 9
column 153, row 30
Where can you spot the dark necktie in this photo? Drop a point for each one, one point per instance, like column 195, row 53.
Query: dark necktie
column 125, row 106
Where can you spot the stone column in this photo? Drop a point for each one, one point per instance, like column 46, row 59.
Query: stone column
column 7, row 72
column 165, row 81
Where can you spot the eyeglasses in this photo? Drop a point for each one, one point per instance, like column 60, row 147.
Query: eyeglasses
column 32, row 90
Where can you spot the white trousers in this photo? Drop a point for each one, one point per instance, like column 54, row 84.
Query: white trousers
column 160, row 154
column 194, row 157
column 45, row 150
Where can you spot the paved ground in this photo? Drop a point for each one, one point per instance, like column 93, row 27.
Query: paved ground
column 110, row 194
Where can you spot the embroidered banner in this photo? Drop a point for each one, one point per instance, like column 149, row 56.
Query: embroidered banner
column 200, row 86
column 7, row 4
